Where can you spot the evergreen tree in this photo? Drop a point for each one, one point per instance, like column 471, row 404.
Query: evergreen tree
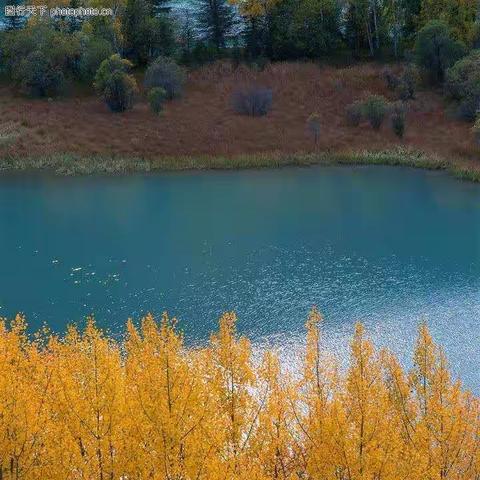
column 187, row 34
column 412, row 10
column 306, row 28
column 216, row 19
column 146, row 35
column 357, row 26
column 255, row 36
column 436, row 50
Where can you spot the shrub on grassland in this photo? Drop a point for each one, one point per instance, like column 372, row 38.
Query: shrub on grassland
column 165, row 73
column 468, row 108
column 313, row 124
column 354, row 113
column 254, row 101
column 436, row 50
column 38, row 76
column 463, row 85
column 391, row 79
column 403, row 84
column 463, row 78
column 398, row 119
column 94, row 51
column 407, row 85
column 375, row 109
column 39, row 58
column 476, row 130
column 119, row 92
column 156, row 99
column 115, row 84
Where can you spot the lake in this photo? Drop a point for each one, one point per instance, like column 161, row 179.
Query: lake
column 386, row 246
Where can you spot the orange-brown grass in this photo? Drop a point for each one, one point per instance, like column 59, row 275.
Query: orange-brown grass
column 203, row 121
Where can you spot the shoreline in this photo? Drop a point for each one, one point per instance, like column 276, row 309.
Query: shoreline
column 78, row 165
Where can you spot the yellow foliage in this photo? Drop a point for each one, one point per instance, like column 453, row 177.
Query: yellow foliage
column 254, row 8
column 84, row 406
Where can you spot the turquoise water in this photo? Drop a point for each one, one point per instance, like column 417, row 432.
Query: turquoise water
column 387, row 246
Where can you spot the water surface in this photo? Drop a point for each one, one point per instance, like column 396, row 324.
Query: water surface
column 387, row 246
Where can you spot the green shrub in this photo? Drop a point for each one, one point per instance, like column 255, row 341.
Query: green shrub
column 408, row 82
column 314, row 126
column 259, row 64
column 114, row 83
column 436, row 50
column 166, row 74
column 468, row 108
column 398, row 119
column 156, row 99
column 38, row 76
column 95, row 50
column 476, row 130
column 354, row 113
column 463, row 85
column 463, row 78
column 201, row 52
column 253, row 101
column 109, row 66
column 119, row 92
column 392, row 81
column 39, row 58
column 375, row 109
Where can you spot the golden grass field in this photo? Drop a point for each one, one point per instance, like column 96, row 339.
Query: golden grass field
column 78, row 134
column 203, row 123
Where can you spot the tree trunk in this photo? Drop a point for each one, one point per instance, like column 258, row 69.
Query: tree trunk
column 370, row 39
column 375, row 22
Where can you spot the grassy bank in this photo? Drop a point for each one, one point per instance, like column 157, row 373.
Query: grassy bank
column 66, row 164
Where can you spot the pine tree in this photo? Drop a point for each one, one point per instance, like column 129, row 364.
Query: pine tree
column 146, row 33
column 216, row 21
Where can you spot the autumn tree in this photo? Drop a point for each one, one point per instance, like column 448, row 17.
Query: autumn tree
column 88, row 404
column 365, row 434
column 447, row 425
column 232, row 379
column 83, row 406
column 276, row 441
column 24, row 416
column 168, row 406
column 313, row 412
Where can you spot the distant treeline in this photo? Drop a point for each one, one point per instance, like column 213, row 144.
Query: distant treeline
column 46, row 56
column 203, row 30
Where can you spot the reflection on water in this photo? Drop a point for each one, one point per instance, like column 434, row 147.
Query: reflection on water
column 386, row 246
